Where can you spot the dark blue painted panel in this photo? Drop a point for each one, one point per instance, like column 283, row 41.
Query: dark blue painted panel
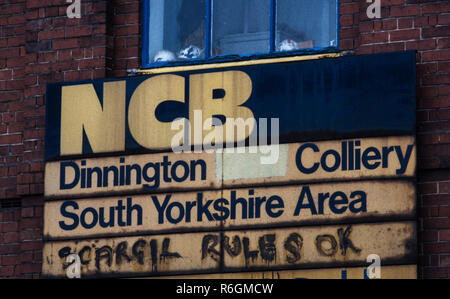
column 336, row 98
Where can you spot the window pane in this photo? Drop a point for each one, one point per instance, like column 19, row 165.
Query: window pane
column 305, row 24
column 177, row 30
column 241, row 27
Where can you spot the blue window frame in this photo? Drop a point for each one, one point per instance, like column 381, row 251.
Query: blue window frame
column 178, row 32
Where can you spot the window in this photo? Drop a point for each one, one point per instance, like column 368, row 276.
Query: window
column 240, row 27
column 189, row 30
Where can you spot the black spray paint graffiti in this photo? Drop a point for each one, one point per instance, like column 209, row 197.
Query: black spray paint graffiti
column 293, row 244
column 344, row 243
column 152, row 253
column 107, row 256
column 326, row 245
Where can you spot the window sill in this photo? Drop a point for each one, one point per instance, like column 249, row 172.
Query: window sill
column 229, row 61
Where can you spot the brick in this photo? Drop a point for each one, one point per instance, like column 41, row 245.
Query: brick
column 434, row 260
column 432, row 103
column 443, row 43
column 13, row 237
column 10, row 139
column 444, row 67
column 430, row 236
column 36, row 189
column 38, row 211
column 30, row 222
column 438, row 55
column 26, row 257
column 351, row 8
column 128, row 30
column 371, row 38
column 444, row 235
column 427, row 188
column 9, row 248
column 436, row 248
column 377, row 25
column 16, row 19
column 7, row 271
column 427, row 91
column 421, row 21
column 35, row 47
column 444, row 211
column 78, row 31
column 30, row 268
column 366, row 26
column 380, row 48
column 443, row 31
column 444, row 260
column 11, row 216
column 428, row 163
column 427, row 68
column 23, row 189
column 38, row 3
column 444, row 137
column 444, row 187
column 134, row 7
column 436, row 80
column 444, row 90
column 404, row 11
column 348, row 33
column 31, row 245
column 5, row 74
column 405, row 23
column 436, row 223
column 346, row 21
column 9, row 227
column 65, row 44
column 421, row 45
column 27, row 212
column 436, row 272
column 51, row 34
column 404, row 35
column 429, row 212
column 389, row 24
column 346, row 44
column 444, row 19
column 438, row 8
column 16, row 41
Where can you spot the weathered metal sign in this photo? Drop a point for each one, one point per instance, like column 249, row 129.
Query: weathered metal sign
column 386, row 272
column 266, row 250
column 138, row 182
column 316, row 204
column 355, row 159
column 338, row 98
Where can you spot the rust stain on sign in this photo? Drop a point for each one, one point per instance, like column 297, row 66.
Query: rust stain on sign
column 232, row 208
column 260, row 250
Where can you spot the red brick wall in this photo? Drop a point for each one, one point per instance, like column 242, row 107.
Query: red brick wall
column 422, row 25
column 39, row 44
column 125, row 36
